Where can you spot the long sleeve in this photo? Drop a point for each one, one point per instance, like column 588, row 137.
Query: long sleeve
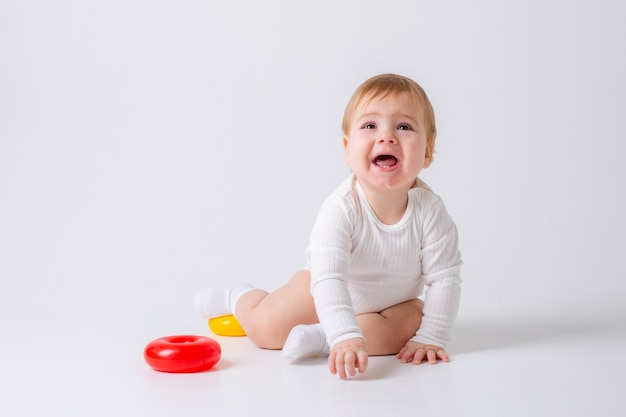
column 330, row 260
column 441, row 266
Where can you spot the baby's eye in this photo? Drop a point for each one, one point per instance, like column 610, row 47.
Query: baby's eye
column 369, row 126
column 404, row 126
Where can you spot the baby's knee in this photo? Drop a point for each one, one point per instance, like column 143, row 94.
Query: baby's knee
column 266, row 333
column 406, row 318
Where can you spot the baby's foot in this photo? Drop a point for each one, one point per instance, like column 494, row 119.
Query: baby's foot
column 219, row 301
column 305, row 340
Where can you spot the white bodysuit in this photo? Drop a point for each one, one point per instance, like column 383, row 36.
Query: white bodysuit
column 360, row 265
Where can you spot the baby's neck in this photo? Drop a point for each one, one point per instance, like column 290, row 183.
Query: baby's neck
column 388, row 207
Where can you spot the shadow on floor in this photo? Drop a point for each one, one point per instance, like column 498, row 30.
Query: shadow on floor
column 485, row 335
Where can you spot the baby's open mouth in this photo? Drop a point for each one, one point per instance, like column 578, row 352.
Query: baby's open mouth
column 385, row 161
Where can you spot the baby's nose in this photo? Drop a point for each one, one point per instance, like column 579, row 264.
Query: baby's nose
column 387, row 136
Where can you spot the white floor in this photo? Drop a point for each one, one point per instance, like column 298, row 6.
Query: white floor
column 89, row 363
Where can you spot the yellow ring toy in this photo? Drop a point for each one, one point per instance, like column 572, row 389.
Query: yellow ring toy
column 226, row 326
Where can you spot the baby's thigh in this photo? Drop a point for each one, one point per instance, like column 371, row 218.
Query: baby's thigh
column 269, row 318
column 298, row 299
column 388, row 331
column 406, row 316
column 288, row 305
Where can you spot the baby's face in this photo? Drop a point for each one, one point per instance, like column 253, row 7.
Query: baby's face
column 386, row 144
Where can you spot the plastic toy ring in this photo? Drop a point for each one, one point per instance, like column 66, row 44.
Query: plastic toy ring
column 226, row 326
column 182, row 354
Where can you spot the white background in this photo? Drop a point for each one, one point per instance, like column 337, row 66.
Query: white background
column 149, row 149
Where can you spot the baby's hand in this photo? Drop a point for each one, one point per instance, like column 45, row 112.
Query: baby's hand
column 416, row 352
column 348, row 356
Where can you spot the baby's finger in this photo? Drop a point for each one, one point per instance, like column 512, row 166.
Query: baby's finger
column 331, row 363
column 400, row 354
column 406, row 356
column 340, row 365
column 419, row 356
column 362, row 361
column 432, row 356
column 350, row 363
column 443, row 355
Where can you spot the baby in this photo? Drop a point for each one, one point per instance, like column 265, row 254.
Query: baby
column 380, row 239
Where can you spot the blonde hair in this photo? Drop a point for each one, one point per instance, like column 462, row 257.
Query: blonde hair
column 383, row 85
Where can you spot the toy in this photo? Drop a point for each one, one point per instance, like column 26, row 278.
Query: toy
column 226, row 326
column 182, row 354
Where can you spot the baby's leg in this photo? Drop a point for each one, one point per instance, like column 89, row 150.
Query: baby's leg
column 388, row 331
column 267, row 318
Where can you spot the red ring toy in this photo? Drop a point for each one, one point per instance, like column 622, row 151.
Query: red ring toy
column 182, row 354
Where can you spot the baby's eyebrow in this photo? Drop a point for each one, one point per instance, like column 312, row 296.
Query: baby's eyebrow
column 410, row 117
column 370, row 115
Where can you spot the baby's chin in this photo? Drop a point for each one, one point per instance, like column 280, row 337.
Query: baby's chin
column 388, row 183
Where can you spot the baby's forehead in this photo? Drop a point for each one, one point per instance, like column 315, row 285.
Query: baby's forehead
column 409, row 103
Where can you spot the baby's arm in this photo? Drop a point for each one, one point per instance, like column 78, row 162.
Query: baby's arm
column 348, row 346
column 441, row 266
column 329, row 260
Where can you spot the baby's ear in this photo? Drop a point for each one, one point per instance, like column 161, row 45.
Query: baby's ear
column 428, row 158
column 345, row 147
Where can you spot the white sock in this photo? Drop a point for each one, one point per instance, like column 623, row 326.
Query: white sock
column 217, row 302
column 305, row 340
